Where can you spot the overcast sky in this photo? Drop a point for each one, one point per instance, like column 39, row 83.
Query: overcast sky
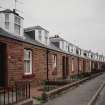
column 81, row 22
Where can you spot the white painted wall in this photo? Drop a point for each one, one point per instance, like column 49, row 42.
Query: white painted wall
column 36, row 35
column 1, row 20
column 61, row 45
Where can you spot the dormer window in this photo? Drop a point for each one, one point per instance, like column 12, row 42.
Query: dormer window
column 80, row 52
column 17, row 25
column 68, row 49
column 62, row 45
column 85, row 54
column 91, row 56
column 12, row 22
column 77, row 52
column 46, row 39
column 66, row 46
column 71, row 49
column 40, row 34
column 7, row 21
column 46, row 36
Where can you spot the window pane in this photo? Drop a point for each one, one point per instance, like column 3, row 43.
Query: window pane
column 17, row 29
column 26, row 55
column 54, row 61
column 7, row 25
column 25, row 67
column 72, row 65
column 6, row 17
column 27, row 61
column 62, row 45
column 28, row 67
column 40, row 36
column 17, row 20
column 17, row 24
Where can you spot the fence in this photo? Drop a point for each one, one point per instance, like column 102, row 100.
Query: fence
column 15, row 94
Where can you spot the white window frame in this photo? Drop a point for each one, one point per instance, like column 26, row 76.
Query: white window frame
column 72, row 65
column 18, row 24
column 80, row 66
column 46, row 39
column 71, row 49
column 62, row 44
column 7, row 21
column 54, row 61
column 66, row 46
column 40, row 35
column 28, row 60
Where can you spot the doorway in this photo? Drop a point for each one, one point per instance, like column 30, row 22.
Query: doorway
column 65, row 67
column 84, row 66
column 2, row 65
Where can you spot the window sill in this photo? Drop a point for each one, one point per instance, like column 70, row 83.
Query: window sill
column 28, row 76
column 72, row 71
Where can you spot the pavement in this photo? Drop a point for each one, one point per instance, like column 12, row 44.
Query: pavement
column 101, row 98
column 80, row 95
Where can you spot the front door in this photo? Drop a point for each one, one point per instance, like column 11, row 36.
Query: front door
column 84, row 66
column 2, row 64
column 65, row 67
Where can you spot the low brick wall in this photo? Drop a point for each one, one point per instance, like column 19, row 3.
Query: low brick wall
column 58, row 90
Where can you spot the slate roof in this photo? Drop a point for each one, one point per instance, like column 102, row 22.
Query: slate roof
column 20, row 38
column 57, row 38
column 6, row 11
column 33, row 28
column 27, row 39
column 10, row 11
column 50, row 46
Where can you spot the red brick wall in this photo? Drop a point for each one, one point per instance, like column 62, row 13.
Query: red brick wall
column 81, row 70
column 39, row 67
column 15, row 61
column 14, row 51
column 75, row 72
column 57, row 73
column 86, row 65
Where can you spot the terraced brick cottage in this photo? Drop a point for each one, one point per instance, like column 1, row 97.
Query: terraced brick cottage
column 18, row 54
column 24, row 55
column 29, row 54
column 53, row 54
